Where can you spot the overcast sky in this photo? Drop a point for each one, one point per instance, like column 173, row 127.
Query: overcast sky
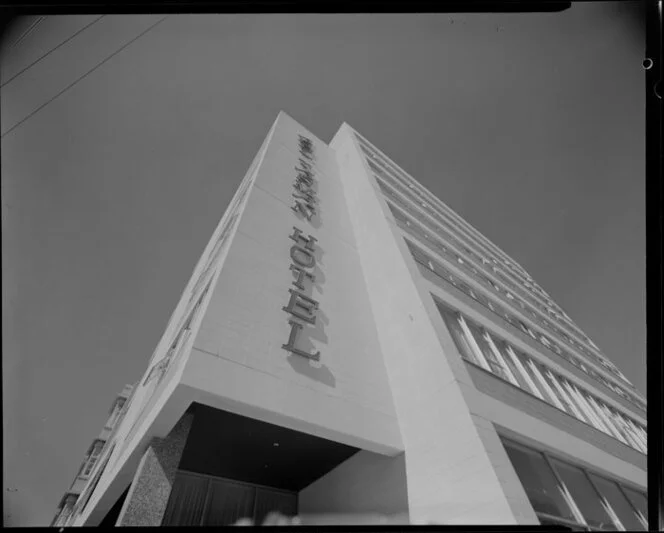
column 530, row 126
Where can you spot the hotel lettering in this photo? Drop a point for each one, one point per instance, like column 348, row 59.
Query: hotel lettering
column 301, row 307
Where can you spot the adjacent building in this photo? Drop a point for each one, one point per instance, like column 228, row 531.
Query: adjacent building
column 96, row 448
column 348, row 344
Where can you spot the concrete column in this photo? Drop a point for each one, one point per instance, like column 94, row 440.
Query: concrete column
column 148, row 496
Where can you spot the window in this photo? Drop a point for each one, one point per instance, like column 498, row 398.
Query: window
column 637, row 434
column 492, row 358
column 563, row 395
column 518, row 371
column 545, row 341
column 535, row 370
column 117, row 409
column 640, row 503
column 589, row 410
column 616, row 502
column 644, row 434
column 608, row 419
column 93, row 455
column 477, row 351
column 623, row 426
column 581, row 415
column 526, row 329
column 89, row 490
column 458, row 336
column 539, row 482
column 498, row 348
column 561, row 493
column 584, row 495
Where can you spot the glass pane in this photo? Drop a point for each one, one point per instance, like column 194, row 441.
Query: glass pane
column 555, row 391
column 618, row 503
column 516, row 372
column 638, row 499
column 185, row 505
column 268, row 500
column 539, row 482
column 525, row 361
column 584, row 495
column 457, row 334
column 496, row 366
column 228, row 502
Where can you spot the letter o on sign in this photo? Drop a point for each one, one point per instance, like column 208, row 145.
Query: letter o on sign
column 302, row 257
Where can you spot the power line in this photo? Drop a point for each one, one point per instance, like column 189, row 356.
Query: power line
column 84, row 75
column 30, row 29
column 51, row 51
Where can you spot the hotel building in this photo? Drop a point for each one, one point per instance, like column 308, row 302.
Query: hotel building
column 348, row 344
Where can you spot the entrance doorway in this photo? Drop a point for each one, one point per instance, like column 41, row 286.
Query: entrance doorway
column 204, row 500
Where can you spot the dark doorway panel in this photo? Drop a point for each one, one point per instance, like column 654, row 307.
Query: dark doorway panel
column 209, row 501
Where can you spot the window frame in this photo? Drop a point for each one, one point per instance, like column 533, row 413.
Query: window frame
column 551, row 460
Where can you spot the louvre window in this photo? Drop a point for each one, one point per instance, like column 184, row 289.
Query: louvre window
column 422, row 258
column 539, row 482
column 640, row 503
column 615, row 502
column 562, row 493
column 93, row 456
column 563, row 395
column 585, row 496
column 458, row 335
column 537, row 371
column 491, row 354
column 525, row 379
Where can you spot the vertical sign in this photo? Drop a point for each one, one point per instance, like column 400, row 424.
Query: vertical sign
column 301, row 307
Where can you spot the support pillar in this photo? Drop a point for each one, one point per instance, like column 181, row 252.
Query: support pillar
column 151, row 487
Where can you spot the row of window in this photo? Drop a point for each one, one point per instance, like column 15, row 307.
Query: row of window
column 89, row 489
column 546, row 306
column 231, row 218
column 480, row 261
column 115, row 412
column 141, row 394
column 456, row 220
column 564, row 493
column 483, row 262
column 159, row 369
column 425, row 260
column 442, row 213
column 490, row 352
column 65, row 510
column 91, row 458
column 396, row 177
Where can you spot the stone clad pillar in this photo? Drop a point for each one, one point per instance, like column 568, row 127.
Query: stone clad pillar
column 151, row 487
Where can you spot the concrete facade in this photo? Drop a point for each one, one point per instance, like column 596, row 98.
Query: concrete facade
column 308, row 312
column 153, row 481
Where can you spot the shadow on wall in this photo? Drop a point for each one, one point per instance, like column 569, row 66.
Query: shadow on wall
column 312, row 369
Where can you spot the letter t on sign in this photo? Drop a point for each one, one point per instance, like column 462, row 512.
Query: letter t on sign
column 301, row 274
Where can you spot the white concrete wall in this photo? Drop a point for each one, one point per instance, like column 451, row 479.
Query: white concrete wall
column 451, row 478
column 365, row 483
column 238, row 362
